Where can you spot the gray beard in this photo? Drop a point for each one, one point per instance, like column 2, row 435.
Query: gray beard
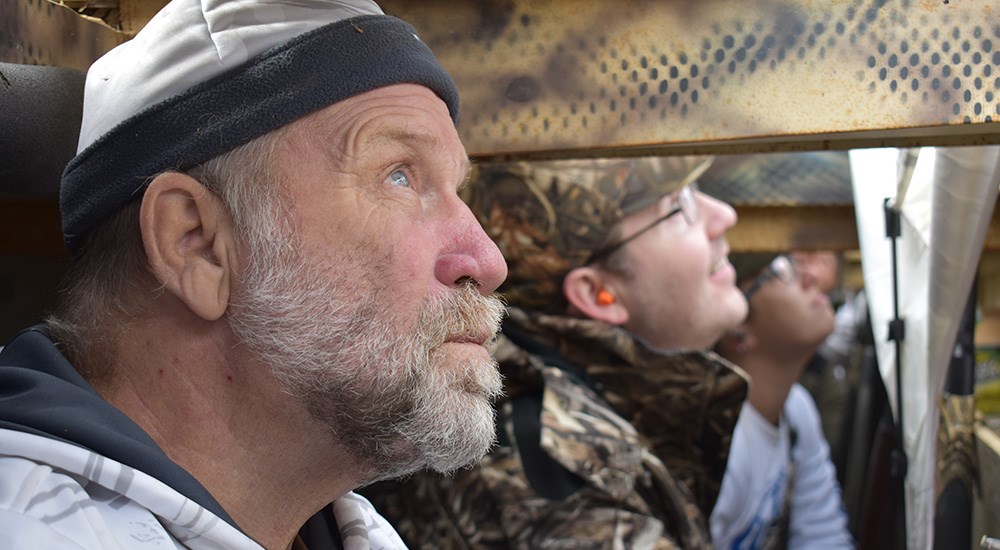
column 379, row 381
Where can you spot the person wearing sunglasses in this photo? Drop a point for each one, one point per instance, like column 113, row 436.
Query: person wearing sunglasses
column 616, row 423
column 780, row 489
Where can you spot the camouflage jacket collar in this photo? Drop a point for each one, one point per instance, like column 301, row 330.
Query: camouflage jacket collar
column 683, row 404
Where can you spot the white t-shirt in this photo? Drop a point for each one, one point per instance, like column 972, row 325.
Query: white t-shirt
column 757, row 475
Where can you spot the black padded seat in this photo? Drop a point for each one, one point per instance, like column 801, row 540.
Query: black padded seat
column 40, row 111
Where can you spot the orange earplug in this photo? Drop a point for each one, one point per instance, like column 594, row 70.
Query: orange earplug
column 605, row 298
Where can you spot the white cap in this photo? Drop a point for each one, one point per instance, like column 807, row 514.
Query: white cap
column 203, row 77
column 189, row 42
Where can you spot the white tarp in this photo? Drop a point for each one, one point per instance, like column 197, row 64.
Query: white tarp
column 946, row 205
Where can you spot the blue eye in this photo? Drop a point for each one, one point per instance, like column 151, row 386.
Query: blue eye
column 399, row 178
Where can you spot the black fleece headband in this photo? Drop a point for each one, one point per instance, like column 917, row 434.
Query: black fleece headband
column 279, row 86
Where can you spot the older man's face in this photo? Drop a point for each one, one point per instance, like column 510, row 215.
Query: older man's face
column 375, row 314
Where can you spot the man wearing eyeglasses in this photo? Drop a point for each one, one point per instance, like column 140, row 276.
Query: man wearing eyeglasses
column 616, row 426
column 780, row 488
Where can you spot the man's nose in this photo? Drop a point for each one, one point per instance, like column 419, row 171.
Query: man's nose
column 718, row 216
column 470, row 254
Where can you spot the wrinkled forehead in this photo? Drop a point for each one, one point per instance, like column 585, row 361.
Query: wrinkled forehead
column 402, row 112
column 402, row 121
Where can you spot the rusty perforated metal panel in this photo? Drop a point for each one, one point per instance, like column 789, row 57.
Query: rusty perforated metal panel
column 126, row 16
column 815, row 178
column 590, row 75
column 38, row 32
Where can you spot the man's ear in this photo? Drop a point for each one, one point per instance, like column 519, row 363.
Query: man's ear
column 593, row 294
column 189, row 241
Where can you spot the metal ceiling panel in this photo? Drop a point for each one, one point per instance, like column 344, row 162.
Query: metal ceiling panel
column 39, row 32
column 572, row 77
column 815, row 178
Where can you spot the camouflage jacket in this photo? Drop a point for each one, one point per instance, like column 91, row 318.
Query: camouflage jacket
column 603, row 443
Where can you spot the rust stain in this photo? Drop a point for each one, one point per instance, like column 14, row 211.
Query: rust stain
column 560, row 75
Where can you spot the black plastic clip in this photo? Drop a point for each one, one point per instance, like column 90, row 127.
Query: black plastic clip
column 892, row 223
column 897, row 330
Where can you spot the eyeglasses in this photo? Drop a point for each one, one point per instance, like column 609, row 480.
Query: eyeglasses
column 780, row 268
column 685, row 204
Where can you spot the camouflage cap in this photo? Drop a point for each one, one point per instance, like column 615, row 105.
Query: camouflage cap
column 547, row 217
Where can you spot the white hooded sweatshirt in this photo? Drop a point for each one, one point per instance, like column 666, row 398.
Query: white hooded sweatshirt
column 77, row 473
